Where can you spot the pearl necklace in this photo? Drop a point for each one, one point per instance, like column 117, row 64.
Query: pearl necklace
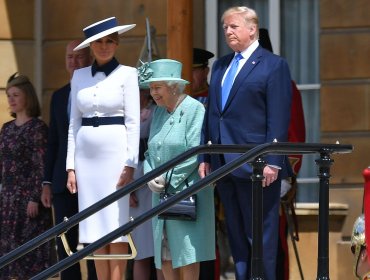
column 178, row 102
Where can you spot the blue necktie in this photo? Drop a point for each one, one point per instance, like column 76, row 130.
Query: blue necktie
column 229, row 79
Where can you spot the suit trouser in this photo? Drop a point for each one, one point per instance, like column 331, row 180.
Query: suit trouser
column 66, row 205
column 236, row 196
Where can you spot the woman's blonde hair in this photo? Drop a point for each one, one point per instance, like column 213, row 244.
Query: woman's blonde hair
column 23, row 83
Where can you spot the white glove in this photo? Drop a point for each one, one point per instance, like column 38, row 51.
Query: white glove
column 157, row 185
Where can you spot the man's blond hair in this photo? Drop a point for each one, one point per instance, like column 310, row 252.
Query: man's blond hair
column 249, row 15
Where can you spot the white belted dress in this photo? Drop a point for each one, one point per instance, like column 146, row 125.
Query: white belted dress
column 99, row 154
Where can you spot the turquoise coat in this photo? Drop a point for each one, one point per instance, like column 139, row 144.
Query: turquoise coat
column 170, row 135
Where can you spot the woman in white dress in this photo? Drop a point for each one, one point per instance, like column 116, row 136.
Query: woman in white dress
column 103, row 139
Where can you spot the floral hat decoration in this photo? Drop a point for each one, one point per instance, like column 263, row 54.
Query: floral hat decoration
column 160, row 70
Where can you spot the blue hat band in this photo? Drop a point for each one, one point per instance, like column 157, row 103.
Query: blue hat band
column 111, row 23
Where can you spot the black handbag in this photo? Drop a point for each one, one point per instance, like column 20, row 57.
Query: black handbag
column 186, row 209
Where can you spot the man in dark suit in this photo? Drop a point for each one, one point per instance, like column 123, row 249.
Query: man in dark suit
column 55, row 178
column 255, row 110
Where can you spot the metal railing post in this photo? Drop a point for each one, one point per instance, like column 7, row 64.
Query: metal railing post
column 324, row 163
column 257, row 219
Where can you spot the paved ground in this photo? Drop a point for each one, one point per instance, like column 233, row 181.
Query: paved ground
column 228, row 266
column 228, row 276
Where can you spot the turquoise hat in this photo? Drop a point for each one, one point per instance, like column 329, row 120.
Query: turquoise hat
column 160, row 70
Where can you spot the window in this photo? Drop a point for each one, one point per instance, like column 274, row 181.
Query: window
column 300, row 46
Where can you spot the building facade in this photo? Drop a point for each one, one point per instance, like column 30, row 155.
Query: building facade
column 326, row 42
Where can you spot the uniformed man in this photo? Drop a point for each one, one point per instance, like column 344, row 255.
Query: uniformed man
column 200, row 74
column 208, row 269
column 296, row 133
column 361, row 264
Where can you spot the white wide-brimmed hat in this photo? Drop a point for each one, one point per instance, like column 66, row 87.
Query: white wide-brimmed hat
column 101, row 29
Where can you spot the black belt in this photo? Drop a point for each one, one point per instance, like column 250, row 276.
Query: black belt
column 96, row 121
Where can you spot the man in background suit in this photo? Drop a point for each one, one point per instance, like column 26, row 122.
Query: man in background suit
column 54, row 189
column 256, row 110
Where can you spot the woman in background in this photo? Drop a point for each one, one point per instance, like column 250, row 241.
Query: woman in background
column 22, row 149
column 141, row 199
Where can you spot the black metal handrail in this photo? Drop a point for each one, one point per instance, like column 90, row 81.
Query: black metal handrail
column 252, row 153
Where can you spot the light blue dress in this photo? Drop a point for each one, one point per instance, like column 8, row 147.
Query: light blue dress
column 170, row 135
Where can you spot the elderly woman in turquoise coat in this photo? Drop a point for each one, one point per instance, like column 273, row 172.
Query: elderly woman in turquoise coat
column 176, row 127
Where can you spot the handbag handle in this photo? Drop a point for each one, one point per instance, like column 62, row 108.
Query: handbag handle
column 169, row 182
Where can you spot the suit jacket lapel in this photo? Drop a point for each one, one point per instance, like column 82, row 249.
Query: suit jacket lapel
column 249, row 65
